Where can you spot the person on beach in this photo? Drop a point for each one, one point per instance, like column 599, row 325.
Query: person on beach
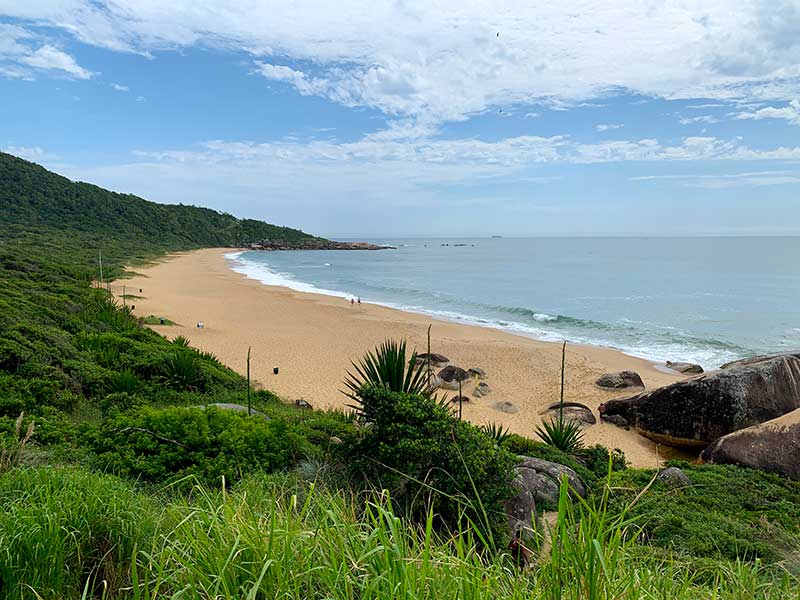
column 359, row 299
column 352, row 301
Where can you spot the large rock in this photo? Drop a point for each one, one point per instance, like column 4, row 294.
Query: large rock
column 773, row 446
column 756, row 359
column 674, row 478
column 697, row 411
column 685, row 367
column 537, row 481
column 482, row 389
column 623, row 379
column 573, row 411
column 477, row 372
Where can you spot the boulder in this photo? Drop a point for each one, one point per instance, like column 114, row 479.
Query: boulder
column 482, row 389
column 773, row 447
column 236, row 408
column 451, row 376
column 537, row 481
column 507, row 407
column 300, row 403
column 621, row 380
column 477, row 373
column 674, row 478
column 685, row 367
column 617, row 420
column 755, row 359
column 457, row 399
column 699, row 410
column 573, row 411
column 437, row 360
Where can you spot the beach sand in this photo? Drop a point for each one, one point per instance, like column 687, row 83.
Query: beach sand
column 312, row 339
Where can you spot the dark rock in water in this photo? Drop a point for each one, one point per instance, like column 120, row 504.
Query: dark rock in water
column 674, row 478
column 482, row 389
column 236, row 408
column 573, row 411
column 451, row 376
column 617, row 420
column 685, row 367
column 773, row 447
column 699, row 410
column 478, row 373
column 623, row 379
column 435, row 359
column 755, row 359
column 507, row 407
column 300, row 403
column 537, row 481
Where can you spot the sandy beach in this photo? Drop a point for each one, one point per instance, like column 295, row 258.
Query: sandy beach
column 312, row 339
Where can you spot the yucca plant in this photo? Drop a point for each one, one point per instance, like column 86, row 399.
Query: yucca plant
column 498, row 433
column 124, row 381
column 183, row 370
column 181, row 341
column 387, row 367
column 564, row 435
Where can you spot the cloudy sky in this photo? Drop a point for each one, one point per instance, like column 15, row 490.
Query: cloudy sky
column 432, row 117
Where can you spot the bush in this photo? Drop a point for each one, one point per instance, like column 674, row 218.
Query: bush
column 165, row 445
column 428, row 459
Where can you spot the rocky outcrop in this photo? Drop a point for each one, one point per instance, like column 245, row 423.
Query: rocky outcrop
column 674, row 478
column 477, row 373
column 756, row 359
column 621, row 380
column 573, row 411
column 313, row 244
column 685, row 367
column 773, row 446
column 699, row 410
column 507, row 407
column 538, row 481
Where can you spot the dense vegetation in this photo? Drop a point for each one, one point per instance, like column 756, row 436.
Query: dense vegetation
column 132, row 484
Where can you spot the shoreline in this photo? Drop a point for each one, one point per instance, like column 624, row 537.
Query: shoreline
column 312, row 337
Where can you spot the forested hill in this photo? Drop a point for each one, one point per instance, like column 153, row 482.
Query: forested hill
column 35, row 199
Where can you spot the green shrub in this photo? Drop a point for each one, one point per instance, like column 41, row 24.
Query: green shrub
column 165, row 445
column 388, row 367
column 124, row 382
column 182, row 370
column 428, row 459
column 563, row 435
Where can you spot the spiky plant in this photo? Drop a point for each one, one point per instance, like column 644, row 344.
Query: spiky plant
column 181, row 341
column 387, row 366
column 183, row 370
column 564, row 435
column 498, row 433
column 124, row 381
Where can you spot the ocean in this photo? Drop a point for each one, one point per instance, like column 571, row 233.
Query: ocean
column 703, row 299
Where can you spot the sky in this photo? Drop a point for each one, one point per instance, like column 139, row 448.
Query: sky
column 437, row 117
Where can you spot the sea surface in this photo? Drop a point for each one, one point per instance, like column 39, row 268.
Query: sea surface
column 706, row 300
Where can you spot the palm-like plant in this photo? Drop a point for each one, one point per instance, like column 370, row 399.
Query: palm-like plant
column 498, row 433
column 564, row 435
column 387, row 367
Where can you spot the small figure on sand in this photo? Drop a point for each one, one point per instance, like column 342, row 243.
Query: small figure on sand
column 359, row 299
column 352, row 301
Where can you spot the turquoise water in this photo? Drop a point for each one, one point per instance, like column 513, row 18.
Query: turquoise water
column 706, row 300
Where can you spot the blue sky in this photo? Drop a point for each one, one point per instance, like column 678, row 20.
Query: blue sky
column 448, row 118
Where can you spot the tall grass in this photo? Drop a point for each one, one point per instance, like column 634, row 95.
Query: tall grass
column 272, row 537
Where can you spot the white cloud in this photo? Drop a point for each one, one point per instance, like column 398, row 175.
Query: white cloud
column 141, row 99
column 756, row 178
column 443, row 60
column 608, row 126
column 120, row 88
column 22, row 55
column 32, row 153
column 709, row 119
column 530, row 115
column 790, row 112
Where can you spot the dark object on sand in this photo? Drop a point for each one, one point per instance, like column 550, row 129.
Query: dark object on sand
column 476, row 372
column 300, row 403
column 435, row 359
column 572, row 411
column 623, row 379
column 685, row 367
column 275, row 370
column 482, row 389
column 451, row 376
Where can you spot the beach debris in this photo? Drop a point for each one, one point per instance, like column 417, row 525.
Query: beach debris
column 620, row 380
column 572, row 411
column 200, row 325
column 685, row 367
column 457, row 399
column 699, row 410
column 482, row 389
column 773, row 447
column 301, row 403
column 674, row 478
column 436, row 360
column 275, row 370
column 451, row 376
column 477, row 373
column 507, row 407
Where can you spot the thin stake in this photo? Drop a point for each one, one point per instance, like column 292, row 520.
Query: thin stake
column 123, row 296
column 249, row 411
column 100, row 254
column 460, row 400
column 429, row 355
column 563, row 361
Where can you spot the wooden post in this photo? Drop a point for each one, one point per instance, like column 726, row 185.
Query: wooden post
column 460, row 400
column 249, row 411
column 123, row 296
column 563, row 362
column 429, row 356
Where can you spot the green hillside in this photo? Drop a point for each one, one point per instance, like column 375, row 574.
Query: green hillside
column 32, row 196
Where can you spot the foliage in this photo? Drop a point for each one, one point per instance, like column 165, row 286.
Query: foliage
column 12, row 447
column 387, row 366
column 498, row 433
column 728, row 511
column 564, row 435
column 165, row 445
column 429, row 460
